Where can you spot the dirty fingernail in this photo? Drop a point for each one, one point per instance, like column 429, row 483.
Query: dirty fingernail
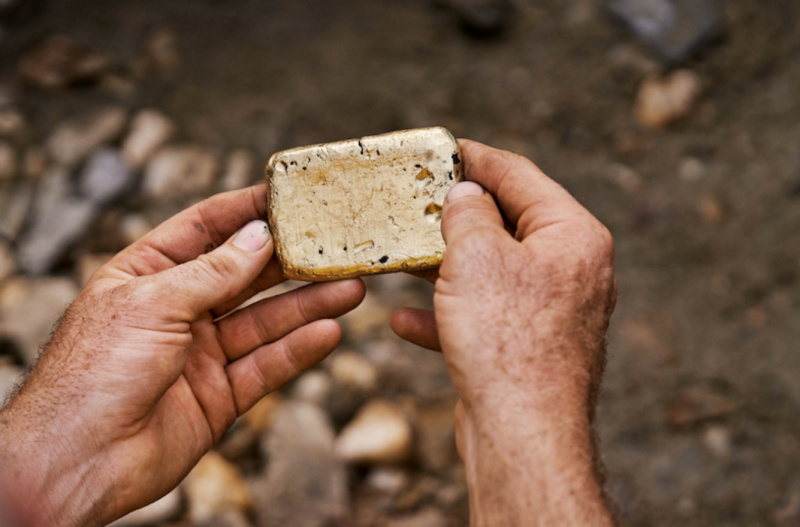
column 252, row 236
column 465, row 188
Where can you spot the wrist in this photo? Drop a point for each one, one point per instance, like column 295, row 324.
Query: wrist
column 523, row 458
column 46, row 480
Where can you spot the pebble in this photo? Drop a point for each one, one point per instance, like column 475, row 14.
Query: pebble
column 105, row 177
column 163, row 510
column 73, row 140
column 691, row 169
column 304, row 484
column 214, row 486
column 29, row 308
column 428, row 517
column 176, row 172
column 14, row 208
column 53, row 233
column 718, row 439
column 371, row 316
column 711, row 209
column 259, row 417
column 626, row 178
column 8, row 266
column 700, row 403
column 12, row 123
column 646, row 340
column 227, row 518
column 55, row 186
column 61, row 61
column 89, row 263
column 388, row 480
column 675, row 29
column 353, row 371
column 436, row 442
column 379, row 434
column 239, row 168
column 315, row 387
column 133, row 226
column 34, row 162
column 150, row 131
column 482, row 18
column 664, row 100
column 162, row 50
column 10, row 374
column 8, row 161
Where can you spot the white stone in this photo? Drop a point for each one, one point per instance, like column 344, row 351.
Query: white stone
column 215, row 485
column 379, row 433
column 180, row 171
column 239, row 169
column 305, row 484
column 351, row 370
column 362, row 206
column 8, row 161
column 53, row 233
column 105, row 177
column 150, row 131
column 161, row 510
column 73, row 140
column 388, row 480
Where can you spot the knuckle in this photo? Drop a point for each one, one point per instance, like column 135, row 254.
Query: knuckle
column 145, row 290
column 213, row 269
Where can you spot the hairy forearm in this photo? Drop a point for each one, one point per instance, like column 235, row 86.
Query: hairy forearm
column 42, row 480
column 532, row 464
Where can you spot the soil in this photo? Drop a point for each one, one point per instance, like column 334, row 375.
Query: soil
column 699, row 420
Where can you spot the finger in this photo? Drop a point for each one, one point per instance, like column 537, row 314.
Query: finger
column 217, row 277
column 418, row 326
column 271, row 276
column 195, row 231
column 469, row 209
column 528, row 198
column 274, row 318
column 271, row 366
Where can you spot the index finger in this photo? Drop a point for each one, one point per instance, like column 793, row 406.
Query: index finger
column 529, row 199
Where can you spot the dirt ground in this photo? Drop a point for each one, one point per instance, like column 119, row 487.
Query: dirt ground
column 699, row 421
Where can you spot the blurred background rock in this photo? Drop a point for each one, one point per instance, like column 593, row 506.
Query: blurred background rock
column 676, row 123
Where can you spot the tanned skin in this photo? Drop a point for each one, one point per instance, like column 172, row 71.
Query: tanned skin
column 142, row 377
column 522, row 304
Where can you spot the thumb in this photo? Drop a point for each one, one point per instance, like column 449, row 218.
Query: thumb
column 469, row 208
column 220, row 275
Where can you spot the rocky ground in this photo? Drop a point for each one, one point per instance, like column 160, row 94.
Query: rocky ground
column 114, row 116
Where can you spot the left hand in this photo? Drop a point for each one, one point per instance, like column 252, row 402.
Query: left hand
column 142, row 377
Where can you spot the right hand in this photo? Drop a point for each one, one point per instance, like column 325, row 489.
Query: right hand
column 522, row 303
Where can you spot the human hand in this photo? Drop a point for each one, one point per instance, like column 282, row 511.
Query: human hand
column 522, row 303
column 142, row 377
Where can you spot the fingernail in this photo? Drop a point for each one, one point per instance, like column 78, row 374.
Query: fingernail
column 465, row 188
column 252, row 236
